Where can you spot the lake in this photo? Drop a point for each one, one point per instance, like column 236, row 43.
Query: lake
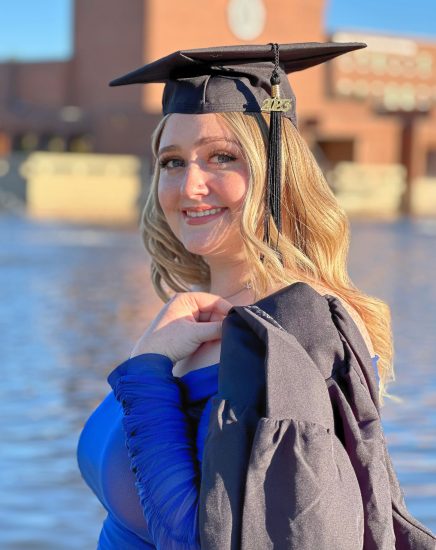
column 75, row 299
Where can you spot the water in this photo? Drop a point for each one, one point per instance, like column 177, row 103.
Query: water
column 74, row 300
column 397, row 262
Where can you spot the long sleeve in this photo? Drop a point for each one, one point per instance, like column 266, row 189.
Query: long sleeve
column 162, row 449
column 202, row 429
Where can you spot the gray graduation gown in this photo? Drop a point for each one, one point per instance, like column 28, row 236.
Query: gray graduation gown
column 295, row 456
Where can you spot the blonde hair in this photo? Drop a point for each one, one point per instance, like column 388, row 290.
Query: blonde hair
column 314, row 240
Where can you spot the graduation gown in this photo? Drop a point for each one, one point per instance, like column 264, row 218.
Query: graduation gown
column 295, row 456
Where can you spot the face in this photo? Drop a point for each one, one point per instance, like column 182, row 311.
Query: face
column 203, row 180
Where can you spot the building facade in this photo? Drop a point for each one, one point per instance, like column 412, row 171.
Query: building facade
column 370, row 107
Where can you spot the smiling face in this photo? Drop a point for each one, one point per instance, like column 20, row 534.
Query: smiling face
column 203, row 180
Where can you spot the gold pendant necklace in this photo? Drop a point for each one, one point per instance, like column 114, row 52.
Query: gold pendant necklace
column 247, row 286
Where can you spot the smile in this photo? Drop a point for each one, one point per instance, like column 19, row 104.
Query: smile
column 196, row 218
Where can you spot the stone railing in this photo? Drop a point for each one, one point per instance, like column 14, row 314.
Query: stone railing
column 423, row 197
column 109, row 189
column 369, row 189
column 83, row 187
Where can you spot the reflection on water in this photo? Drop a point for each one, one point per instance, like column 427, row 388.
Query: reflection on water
column 397, row 262
column 73, row 302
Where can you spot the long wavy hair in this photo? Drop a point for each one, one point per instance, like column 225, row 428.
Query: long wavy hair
column 314, row 241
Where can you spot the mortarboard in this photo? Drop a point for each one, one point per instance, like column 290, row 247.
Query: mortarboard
column 244, row 78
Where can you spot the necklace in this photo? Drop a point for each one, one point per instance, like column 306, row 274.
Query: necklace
column 247, row 285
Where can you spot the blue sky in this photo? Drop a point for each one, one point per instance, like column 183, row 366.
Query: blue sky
column 35, row 29
column 41, row 29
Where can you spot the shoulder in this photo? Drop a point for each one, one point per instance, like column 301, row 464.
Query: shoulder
column 352, row 313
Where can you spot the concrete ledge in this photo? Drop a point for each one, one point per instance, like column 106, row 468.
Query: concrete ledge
column 83, row 187
column 423, row 197
column 373, row 190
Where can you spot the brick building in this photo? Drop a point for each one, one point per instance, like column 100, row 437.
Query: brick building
column 370, row 106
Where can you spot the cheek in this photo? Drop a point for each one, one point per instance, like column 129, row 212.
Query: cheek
column 167, row 195
column 236, row 189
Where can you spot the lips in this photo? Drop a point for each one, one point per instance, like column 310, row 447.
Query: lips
column 201, row 208
column 205, row 212
column 199, row 220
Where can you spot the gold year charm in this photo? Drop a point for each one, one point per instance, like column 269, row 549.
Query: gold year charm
column 276, row 104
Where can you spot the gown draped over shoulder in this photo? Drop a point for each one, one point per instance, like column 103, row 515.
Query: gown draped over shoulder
column 151, row 497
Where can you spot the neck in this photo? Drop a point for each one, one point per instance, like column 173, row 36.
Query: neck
column 228, row 278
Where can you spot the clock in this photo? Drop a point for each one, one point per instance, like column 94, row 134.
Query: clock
column 246, row 18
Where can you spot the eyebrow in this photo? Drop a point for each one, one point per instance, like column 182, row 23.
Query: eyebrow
column 199, row 142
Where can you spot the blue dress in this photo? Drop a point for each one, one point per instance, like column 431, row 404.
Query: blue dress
column 147, row 438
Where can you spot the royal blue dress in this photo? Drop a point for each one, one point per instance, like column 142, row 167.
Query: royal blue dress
column 147, row 438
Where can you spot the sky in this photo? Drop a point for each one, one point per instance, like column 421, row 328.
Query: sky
column 42, row 29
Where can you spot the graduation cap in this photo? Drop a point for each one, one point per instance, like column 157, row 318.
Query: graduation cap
column 244, row 78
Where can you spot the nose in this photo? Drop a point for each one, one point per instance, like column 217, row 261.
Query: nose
column 194, row 181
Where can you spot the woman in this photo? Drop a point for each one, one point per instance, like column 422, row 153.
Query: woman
column 214, row 241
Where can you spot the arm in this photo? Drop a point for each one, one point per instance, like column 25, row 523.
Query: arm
column 161, row 448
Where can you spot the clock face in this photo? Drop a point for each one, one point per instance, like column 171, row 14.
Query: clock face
column 246, row 18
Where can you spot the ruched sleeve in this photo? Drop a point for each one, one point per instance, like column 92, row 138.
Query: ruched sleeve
column 162, row 449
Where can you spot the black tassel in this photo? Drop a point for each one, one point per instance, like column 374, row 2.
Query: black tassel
column 274, row 175
column 275, row 172
column 275, row 167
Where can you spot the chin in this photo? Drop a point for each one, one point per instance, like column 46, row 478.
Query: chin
column 222, row 243
column 200, row 250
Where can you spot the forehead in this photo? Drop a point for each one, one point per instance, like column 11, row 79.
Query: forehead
column 184, row 129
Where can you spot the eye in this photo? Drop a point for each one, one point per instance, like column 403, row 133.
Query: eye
column 170, row 163
column 223, row 158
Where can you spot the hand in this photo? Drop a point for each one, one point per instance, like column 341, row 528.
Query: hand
column 188, row 320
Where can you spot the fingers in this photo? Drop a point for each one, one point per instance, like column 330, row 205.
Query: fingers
column 204, row 316
column 209, row 331
column 208, row 303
